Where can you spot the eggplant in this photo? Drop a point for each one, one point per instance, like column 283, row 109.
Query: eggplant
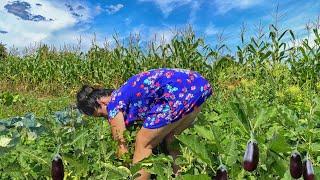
column 308, row 173
column 251, row 156
column 296, row 165
column 222, row 173
column 57, row 169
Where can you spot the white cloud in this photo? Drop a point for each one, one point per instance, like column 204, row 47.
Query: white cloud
column 211, row 30
column 290, row 17
column 167, row 6
column 299, row 23
column 127, row 21
column 158, row 35
column 227, row 5
column 74, row 39
column 98, row 9
column 22, row 33
column 112, row 9
column 195, row 6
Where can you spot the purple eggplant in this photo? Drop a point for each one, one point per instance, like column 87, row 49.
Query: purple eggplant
column 251, row 156
column 57, row 169
column 222, row 173
column 308, row 173
column 296, row 165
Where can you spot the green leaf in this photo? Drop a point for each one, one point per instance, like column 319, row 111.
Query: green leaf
column 317, row 171
column 31, row 154
column 232, row 154
column 279, row 144
column 281, row 36
column 195, row 177
column 162, row 171
column 286, row 176
column 240, row 115
column 195, row 145
column 80, row 166
column 263, row 116
column 119, row 172
column 292, row 34
column 280, row 166
column 160, row 165
column 204, row 132
column 4, row 141
column 315, row 147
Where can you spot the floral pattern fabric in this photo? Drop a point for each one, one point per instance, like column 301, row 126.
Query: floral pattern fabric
column 159, row 96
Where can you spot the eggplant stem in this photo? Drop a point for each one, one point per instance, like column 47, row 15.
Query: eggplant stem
column 220, row 160
column 252, row 136
column 296, row 147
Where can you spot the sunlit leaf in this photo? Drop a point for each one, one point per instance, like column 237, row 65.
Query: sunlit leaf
column 4, row 141
column 192, row 142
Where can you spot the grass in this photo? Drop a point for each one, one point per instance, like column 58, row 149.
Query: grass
column 39, row 104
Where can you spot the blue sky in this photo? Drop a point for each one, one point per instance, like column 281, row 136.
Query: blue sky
column 28, row 22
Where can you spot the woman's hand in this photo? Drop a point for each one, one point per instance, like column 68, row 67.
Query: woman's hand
column 118, row 127
column 122, row 149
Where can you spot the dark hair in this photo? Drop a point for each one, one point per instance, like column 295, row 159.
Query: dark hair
column 87, row 98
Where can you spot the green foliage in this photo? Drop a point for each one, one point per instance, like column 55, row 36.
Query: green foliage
column 270, row 90
column 3, row 52
column 9, row 99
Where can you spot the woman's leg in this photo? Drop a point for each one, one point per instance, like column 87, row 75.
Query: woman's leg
column 170, row 138
column 147, row 139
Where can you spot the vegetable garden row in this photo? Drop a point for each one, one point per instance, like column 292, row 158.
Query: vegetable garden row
column 263, row 121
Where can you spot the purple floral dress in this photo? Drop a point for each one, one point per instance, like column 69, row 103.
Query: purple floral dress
column 159, row 96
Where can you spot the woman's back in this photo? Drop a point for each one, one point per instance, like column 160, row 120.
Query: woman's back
column 174, row 88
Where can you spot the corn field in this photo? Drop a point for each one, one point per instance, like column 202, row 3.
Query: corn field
column 268, row 85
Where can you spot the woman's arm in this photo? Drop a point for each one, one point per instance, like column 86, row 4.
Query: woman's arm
column 118, row 127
